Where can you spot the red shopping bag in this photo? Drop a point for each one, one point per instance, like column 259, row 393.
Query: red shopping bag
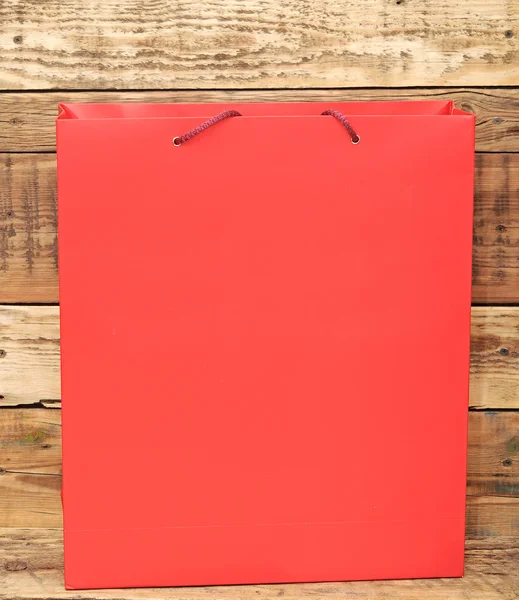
column 265, row 341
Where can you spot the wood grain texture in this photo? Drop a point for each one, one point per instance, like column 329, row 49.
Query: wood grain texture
column 29, row 356
column 492, row 515
column 28, row 238
column 494, row 359
column 493, row 474
column 493, row 455
column 30, row 469
column 31, row 567
column 28, row 500
column 27, row 120
column 208, row 44
column 30, row 442
column 495, row 276
column 28, row 228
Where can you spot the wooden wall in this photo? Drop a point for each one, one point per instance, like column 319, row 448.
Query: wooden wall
column 275, row 50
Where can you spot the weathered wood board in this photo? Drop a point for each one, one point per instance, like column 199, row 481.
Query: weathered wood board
column 495, row 256
column 28, row 229
column 31, row 567
column 27, row 121
column 494, row 359
column 208, row 44
column 30, row 470
column 29, row 356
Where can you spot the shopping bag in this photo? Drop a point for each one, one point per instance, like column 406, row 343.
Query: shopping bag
column 265, row 315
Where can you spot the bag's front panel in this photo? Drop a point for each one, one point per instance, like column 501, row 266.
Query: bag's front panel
column 274, row 324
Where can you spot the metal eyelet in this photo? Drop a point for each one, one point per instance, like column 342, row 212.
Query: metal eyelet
column 176, row 141
column 358, row 140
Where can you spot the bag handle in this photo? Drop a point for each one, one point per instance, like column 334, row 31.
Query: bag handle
column 226, row 114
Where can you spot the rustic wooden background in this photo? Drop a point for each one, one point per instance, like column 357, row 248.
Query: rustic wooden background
column 241, row 50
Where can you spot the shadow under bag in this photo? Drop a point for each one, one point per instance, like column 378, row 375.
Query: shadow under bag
column 265, row 316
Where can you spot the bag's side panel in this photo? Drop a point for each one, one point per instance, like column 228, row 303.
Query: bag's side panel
column 241, row 285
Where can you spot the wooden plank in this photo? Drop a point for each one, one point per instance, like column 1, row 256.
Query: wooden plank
column 27, row 121
column 29, row 355
column 493, row 474
column 28, row 240
column 30, row 442
column 28, row 228
column 28, row 500
column 495, row 276
column 30, row 468
column 494, row 359
column 31, row 566
column 257, row 44
column 493, row 455
column 492, row 515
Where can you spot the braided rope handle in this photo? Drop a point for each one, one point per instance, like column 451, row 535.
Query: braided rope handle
column 355, row 138
column 226, row 114
column 182, row 139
